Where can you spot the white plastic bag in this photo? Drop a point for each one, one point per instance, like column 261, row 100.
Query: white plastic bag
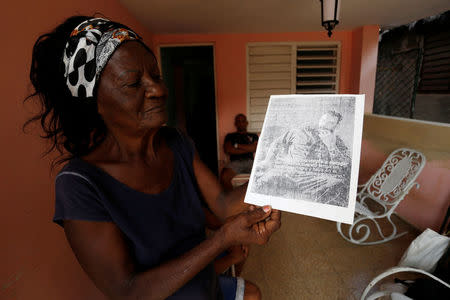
column 425, row 251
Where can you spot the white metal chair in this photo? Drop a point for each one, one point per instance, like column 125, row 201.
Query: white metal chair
column 379, row 197
column 366, row 293
column 421, row 257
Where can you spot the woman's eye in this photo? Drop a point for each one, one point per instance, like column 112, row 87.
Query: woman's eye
column 135, row 84
column 157, row 77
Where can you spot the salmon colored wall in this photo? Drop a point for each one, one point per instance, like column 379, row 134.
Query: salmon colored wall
column 365, row 54
column 369, row 55
column 357, row 37
column 231, row 73
column 424, row 207
column 36, row 261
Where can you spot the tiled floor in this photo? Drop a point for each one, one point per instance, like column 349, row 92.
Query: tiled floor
column 308, row 259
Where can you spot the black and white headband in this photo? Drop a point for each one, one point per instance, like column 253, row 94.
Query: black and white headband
column 87, row 51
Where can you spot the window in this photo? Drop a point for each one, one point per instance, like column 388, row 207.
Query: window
column 317, row 69
column 435, row 75
column 288, row 68
column 432, row 100
column 413, row 71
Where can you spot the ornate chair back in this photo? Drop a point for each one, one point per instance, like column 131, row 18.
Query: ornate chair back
column 395, row 178
column 378, row 197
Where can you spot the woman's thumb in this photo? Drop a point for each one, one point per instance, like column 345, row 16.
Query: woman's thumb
column 258, row 214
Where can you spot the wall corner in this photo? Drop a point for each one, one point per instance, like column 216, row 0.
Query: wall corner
column 369, row 57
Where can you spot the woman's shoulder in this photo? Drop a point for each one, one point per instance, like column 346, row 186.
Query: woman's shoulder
column 81, row 171
column 75, row 170
column 72, row 165
column 77, row 196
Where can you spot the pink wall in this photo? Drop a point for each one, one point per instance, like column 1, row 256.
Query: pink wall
column 369, row 55
column 424, row 207
column 230, row 65
column 364, row 58
column 36, row 261
column 357, row 37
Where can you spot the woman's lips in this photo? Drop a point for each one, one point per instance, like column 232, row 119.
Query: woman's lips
column 156, row 109
column 157, row 105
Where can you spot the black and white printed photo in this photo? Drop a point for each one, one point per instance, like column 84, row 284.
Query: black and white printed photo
column 306, row 150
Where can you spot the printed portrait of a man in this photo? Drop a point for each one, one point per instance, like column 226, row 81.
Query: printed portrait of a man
column 309, row 161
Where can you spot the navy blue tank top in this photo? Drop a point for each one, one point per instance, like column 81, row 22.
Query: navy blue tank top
column 158, row 227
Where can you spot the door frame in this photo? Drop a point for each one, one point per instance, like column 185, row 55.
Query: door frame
column 158, row 54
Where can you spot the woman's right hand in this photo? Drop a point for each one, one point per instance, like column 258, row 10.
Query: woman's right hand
column 254, row 226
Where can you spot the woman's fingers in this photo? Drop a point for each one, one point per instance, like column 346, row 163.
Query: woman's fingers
column 275, row 215
column 267, row 227
column 254, row 226
column 257, row 215
column 274, row 223
column 262, row 227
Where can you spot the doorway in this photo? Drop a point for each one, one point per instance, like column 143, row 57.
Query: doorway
column 188, row 72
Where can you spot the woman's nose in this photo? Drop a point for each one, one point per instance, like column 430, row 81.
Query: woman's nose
column 155, row 88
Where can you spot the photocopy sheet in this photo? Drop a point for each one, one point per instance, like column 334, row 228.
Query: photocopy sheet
column 307, row 159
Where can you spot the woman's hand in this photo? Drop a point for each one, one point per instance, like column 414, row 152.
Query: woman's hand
column 254, row 226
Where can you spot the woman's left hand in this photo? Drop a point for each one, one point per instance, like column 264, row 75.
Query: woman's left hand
column 255, row 226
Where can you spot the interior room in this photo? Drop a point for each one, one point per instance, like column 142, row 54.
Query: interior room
column 226, row 42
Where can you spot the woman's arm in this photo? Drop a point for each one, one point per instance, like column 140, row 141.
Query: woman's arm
column 101, row 249
column 222, row 204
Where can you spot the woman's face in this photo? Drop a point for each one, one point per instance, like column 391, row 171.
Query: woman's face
column 131, row 95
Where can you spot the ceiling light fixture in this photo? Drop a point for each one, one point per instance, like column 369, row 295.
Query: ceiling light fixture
column 330, row 14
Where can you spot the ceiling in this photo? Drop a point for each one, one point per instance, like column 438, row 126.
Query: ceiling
column 240, row 16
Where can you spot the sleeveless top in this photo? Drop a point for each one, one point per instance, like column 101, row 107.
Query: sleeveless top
column 157, row 227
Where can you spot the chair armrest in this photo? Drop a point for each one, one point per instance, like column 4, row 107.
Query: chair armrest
column 394, row 270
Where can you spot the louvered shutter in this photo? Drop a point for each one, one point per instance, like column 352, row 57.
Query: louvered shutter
column 288, row 68
column 317, row 69
column 435, row 76
column 269, row 72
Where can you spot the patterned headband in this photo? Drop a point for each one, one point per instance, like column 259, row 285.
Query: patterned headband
column 87, row 51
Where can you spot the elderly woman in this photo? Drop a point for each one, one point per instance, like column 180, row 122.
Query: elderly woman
column 130, row 196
